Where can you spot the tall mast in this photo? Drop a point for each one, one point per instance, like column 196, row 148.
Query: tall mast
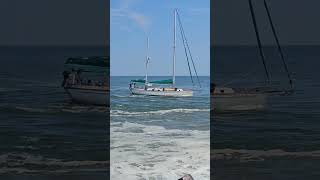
column 174, row 49
column 147, row 61
column 259, row 41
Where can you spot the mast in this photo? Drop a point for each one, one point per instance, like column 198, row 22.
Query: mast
column 187, row 50
column 174, row 49
column 147, row 61
column 278, row 43
column 259, row 41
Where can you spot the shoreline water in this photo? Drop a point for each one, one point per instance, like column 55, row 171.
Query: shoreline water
column 159, row 137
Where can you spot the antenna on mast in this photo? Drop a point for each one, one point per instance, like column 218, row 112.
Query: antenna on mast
column 147, row 62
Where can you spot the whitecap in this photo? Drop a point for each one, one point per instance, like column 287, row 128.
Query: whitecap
column 156, row 152
column 157, row 112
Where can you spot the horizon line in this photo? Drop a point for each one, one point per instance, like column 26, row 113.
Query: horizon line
column 155, row 76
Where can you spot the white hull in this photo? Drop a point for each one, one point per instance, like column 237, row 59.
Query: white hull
column 88, row 96
column 185, row 93
column 238, row 102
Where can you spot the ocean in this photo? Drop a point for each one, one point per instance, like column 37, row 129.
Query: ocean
column 159, row 137
column 281, row 141
column 43, row 134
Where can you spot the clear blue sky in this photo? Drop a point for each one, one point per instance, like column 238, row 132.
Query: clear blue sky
column 131, row 20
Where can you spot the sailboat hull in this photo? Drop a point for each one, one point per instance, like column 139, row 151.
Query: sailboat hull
column 88, row 96
column 238, row 102
column 185, row 93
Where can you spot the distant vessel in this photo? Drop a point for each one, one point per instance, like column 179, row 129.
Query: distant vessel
column 144, row 87
column 86, row 91
column 232, row 98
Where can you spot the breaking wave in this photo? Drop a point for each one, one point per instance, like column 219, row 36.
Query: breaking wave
column 154, row 152
column 158, row 112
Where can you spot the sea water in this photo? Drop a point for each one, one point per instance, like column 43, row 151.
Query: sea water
column 281, row 141
column 43, row 135
column 156, row 137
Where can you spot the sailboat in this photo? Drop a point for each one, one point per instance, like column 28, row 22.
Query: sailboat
column 232, row 98
column 145, row 87
column 86, row 91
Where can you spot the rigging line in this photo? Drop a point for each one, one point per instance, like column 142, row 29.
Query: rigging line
column 194, row 67
column 186, row 53
column 278, row 43
column 258, row 40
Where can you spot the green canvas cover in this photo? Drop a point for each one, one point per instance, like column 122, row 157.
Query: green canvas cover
column 166, row 81
column 138, row 81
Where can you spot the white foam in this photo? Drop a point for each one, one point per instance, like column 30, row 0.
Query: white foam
column 158, row 112
column 153, row 152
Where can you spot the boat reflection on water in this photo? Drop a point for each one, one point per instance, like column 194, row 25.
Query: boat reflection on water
column 86, row 80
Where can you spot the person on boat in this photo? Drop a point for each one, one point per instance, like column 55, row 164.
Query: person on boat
column 98, row 83
column 66, row 75
column 132, row 85
column 89, row 82
column 105, row 82
column 213, row 85
column 84, row 81
column 72, row 77
column 78, row 76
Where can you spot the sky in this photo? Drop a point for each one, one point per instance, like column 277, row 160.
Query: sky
column 54, row 22
column 85, row 22
column 296, row 22
column 133, row 20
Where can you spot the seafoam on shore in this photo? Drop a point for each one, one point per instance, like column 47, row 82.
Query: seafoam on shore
column 153, row 152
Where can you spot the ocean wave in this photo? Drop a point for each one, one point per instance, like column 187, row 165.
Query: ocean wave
column 34, row 110
column 258, row 155
column 28, row 163
column 85, row 109
column 118, row 88
column 10, row 89
column 154, row 152
column 56, row 109
column 118, row 96
column 157, row 112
